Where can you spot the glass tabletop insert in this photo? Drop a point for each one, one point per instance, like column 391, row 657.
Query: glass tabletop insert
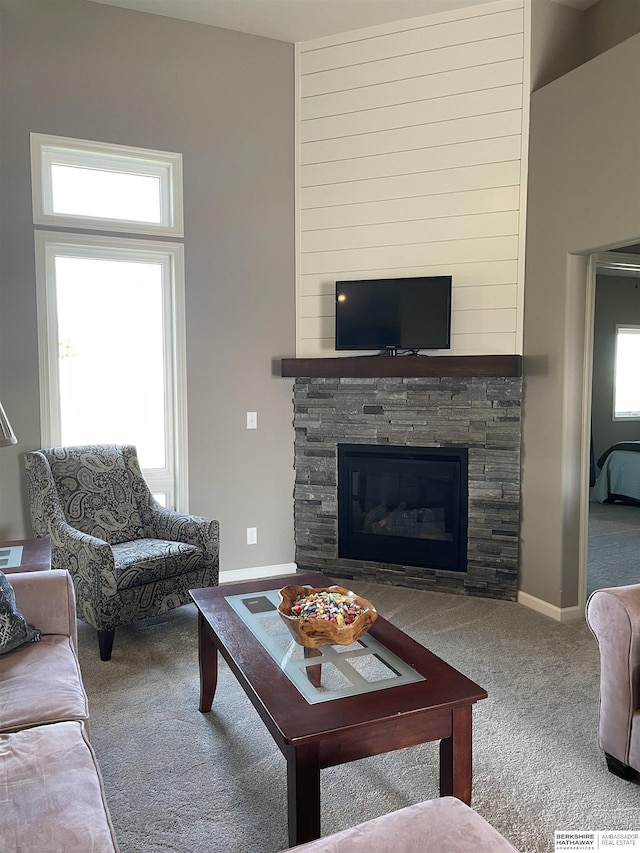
column 10, row 556
column 329, row 672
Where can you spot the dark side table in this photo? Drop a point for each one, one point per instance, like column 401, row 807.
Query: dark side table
column 35, row 556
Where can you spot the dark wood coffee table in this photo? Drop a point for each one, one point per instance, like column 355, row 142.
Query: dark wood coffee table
column 35, row 555
column 432, row 701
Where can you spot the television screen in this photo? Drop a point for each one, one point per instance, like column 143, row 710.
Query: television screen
column 394, row 314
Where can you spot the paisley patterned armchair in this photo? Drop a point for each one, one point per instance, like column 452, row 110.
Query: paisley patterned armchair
column 129, row 557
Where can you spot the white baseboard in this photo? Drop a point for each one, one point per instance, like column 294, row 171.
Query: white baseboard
column 560, row 614
column 234, row 575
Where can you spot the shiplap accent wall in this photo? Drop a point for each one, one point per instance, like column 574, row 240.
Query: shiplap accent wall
column 410, row 161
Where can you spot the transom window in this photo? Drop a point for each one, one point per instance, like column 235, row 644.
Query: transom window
column 110, row 187
column 626, row 405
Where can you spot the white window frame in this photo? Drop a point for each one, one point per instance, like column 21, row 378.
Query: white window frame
column 48, row 150
column 172, row 480
column 632, row 416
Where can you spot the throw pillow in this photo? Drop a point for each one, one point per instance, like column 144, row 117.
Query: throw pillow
column 14, row 630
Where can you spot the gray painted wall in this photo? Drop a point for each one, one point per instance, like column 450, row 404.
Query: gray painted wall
column 225, row 100
column 562, row 38
column 556, row 41
column 585, row 197
column 608, row 23
column 617, row 301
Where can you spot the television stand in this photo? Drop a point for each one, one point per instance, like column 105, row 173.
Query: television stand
column 393, row 351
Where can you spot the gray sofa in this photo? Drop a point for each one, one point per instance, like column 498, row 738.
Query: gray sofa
column 51, row 792
column 443, row 825
column 613, row 614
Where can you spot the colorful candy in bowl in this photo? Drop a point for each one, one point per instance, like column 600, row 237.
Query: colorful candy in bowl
column 325, row 616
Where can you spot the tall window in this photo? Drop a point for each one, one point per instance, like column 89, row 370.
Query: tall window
column 111, row 309
column 626, row 405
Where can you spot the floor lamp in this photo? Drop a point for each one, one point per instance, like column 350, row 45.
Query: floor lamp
column 7, row 435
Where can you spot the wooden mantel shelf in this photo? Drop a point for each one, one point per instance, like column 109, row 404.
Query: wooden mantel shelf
column 375, row 366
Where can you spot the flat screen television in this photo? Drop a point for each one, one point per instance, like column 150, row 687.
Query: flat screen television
column 394, row 314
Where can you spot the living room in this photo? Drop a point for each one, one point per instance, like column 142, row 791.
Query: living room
column 226, row 100
column 237, row 334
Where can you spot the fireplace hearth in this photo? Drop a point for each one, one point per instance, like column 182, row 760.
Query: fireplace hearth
column 403, row 505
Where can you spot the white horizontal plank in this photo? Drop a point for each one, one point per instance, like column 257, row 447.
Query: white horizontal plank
column 417, row 38
column 498, row 343
column 401, row 119
column 489, row 297
column 470, row 276
column 406, row 233
column 320, row 305
column 455, row 82
column 410, row 138
column 407, row 209
column 504, row 173
column 410, row 66
column 462, row 299
column 317, row 327
column 484, row 321
column 493, row 321
column 318, row 347
column 504, row 343
column 381, row 257
column 407, row 162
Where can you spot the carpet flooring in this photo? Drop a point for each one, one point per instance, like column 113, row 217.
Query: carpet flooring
column 178, row 780
column 613, row 556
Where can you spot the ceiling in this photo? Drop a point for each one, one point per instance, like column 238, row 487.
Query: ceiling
column 301, row 20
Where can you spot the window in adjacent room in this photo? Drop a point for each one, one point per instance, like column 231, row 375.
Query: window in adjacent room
column 111, row 315
column 626, row 398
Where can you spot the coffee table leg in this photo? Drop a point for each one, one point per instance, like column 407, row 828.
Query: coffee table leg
column 208, row 658
column 303, row 794
column 314, row 673
column 455, row 757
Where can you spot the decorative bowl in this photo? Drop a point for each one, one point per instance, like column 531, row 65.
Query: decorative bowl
column 314, row 632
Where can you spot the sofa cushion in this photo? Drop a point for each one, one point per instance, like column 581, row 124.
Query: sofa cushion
column 14, row 630
column 51, row 793
column 41, row 683
column 47, row 599
column 444, row 825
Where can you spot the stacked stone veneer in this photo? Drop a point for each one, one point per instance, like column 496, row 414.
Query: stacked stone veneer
column 480, row 414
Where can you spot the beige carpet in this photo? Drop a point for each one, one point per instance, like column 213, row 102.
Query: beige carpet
column 614, row 544
column 178, row 780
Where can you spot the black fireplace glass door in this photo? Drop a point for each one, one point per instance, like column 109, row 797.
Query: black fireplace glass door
column 406, row 506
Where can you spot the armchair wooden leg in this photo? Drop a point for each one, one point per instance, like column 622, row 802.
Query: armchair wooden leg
column 105, row 642
column 619, row 769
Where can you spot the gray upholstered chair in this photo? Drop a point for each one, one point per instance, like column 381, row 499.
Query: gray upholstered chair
column 129, row 557
column 613, row 614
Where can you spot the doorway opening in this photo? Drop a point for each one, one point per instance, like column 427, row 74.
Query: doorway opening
column 610, row 523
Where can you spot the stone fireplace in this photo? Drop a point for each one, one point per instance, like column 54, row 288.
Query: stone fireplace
column 476, row 414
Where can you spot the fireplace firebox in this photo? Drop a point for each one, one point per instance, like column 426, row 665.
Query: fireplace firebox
column 403, row 505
